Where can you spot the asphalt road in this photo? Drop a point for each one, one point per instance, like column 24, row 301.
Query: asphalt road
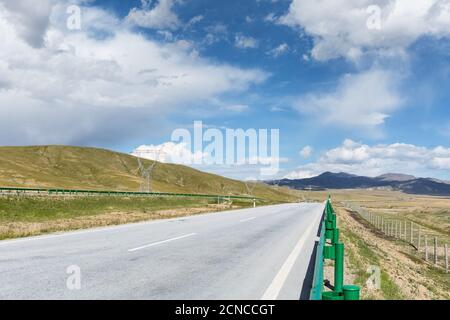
column 260, row 253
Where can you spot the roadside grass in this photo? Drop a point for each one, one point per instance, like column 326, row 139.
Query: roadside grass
column 438, row 275
column 36, row 209
column 68, row 167
column 28, row 216
column 360, row 256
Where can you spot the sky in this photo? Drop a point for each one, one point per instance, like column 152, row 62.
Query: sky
column 360, row 86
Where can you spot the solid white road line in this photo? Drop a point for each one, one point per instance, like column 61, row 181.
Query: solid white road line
column 277, row 284
column 249, row 219
column 161, row 242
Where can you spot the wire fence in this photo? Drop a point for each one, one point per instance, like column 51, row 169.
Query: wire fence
column 428, row 245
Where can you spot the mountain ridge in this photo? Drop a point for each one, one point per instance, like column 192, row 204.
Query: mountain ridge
column 394, row 181
column 70, row 167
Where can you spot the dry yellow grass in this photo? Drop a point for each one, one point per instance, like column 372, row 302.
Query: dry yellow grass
column 15, row 229
column 404, row 274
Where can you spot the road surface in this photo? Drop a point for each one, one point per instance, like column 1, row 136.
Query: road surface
column 261, row 253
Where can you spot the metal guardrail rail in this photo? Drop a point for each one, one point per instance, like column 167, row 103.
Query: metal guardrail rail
column 55, row 191
column 330, row 247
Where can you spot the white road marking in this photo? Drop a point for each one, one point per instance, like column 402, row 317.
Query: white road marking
column 81, row 232
column 277, row 284
column 123, row 226
column 161, row 242
column 249, row 219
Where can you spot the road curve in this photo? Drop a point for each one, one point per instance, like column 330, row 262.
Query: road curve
column 261, row 253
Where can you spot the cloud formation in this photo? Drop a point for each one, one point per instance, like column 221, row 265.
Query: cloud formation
column 104, row 82
column 160, row 16
column 359, row 100
column 362, row 159
column 306, row 152
column 352, row 28
column 244, row 42
column 279, row 50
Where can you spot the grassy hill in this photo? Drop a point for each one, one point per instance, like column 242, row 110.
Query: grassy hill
column 92, row 168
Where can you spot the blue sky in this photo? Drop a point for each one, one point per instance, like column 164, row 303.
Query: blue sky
column 363, row 100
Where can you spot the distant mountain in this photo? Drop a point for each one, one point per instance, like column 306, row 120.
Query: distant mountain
column 394, row 181
column 395, row 177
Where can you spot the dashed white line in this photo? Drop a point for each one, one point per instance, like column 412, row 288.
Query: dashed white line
column 249, row 219
column 161, row 242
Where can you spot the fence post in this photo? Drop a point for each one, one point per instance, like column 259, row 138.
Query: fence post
column 411, row 239
column 426, row 248
column 397, row 232
column 418, row 242
column 405, row 232
column 435, row 251
column 446, row 258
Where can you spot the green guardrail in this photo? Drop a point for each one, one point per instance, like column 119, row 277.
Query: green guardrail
column 54, row 191
column 329, row 247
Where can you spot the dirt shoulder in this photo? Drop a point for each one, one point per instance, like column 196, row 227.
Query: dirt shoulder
column 16, row 229
column 403, row 276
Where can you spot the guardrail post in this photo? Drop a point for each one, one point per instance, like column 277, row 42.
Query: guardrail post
column 335, row 252
column 339, row 268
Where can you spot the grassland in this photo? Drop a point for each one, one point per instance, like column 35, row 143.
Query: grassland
column 99, row 169
column 28, row 216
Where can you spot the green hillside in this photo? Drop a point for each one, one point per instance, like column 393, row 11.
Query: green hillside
column 92, row 168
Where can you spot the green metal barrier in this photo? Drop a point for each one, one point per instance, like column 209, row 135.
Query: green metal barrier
column 120, row 193
column 331, row 248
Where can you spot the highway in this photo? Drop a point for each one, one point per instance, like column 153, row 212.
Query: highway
column 258, row 253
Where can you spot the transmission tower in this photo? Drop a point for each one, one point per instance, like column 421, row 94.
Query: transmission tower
column 250, row 186
column 147, row 172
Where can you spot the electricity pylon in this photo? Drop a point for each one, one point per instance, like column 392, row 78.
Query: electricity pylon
column 147, row 172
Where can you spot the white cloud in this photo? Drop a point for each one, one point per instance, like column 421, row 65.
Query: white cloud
column 340, row 27
column 160, row 16
column 215, row 33
column 278, row 51
column 236, row 108
column 300, row 174
column 168, row 152
column 78, row 86
column 244, row 42
column 362, row 159
column 270, row 17
column 180, row 153
column 195, row 20
column 306, row 152
column 361, row 100
column 29, row 20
